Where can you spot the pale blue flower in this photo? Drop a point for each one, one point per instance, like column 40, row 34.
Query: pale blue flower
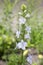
column 17, row 34
column 22, row 20
column 21, row 45
column 28, row 29
column 27, row 36
column 29, row 59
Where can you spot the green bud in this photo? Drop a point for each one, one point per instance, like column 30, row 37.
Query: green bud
column 23, row 7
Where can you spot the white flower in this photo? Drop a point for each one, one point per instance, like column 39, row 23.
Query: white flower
column 28, row 29
column 21, row 45
column 27, row 36
column 27, row 15
column 4, row 36
column 17, row 34
column 22, row 20
column 20, row 13
column 29, row 59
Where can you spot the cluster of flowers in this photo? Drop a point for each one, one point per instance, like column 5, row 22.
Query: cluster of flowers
column 22, row 44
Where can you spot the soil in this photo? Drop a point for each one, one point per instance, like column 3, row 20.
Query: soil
column 2, row 62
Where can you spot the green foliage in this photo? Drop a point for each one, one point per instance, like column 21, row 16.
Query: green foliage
column 15, row 59
column 6, row 41
column 37, row 38
column 33, row 4
column 34, row 64
column 36, row 31
column 41, row 62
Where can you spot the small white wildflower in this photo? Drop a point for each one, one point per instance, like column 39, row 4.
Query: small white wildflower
column 20, row 13
column 21, row 45
column 17, row 34
column 27, row 15
column 22, row 20
column 27, row 36
column 29, row 59
column 4, row 36
column 28, row 29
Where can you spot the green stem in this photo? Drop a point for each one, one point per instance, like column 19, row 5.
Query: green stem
column 22, row 58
